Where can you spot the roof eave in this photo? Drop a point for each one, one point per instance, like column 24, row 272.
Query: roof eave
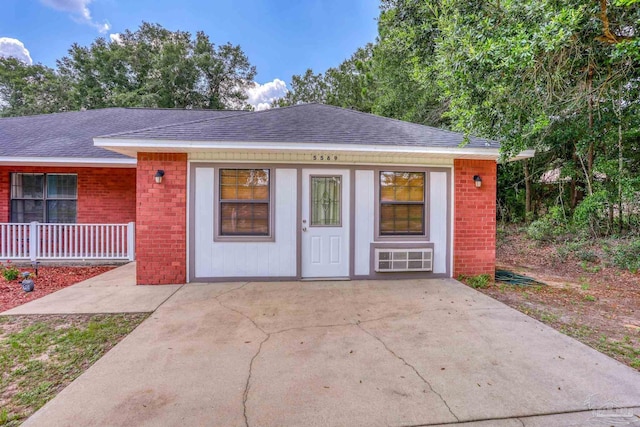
column 131, row 147
column 68, row 162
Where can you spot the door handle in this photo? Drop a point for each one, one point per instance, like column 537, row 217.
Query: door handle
column 304, row 228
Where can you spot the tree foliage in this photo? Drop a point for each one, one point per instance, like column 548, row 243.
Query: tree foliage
column 30, row 89
column 560, row 77
column 345, row 86
column 148, row 67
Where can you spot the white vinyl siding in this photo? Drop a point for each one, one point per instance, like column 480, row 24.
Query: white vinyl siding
column 245, row 259
column 438, row 219
column 364, row 205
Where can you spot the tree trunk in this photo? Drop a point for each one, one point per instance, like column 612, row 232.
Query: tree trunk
column 589, row 171
column 527, row 190
column 574, row 180
column 620, row 172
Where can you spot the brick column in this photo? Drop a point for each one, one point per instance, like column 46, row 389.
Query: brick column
column 161, row 219
column 474, row 241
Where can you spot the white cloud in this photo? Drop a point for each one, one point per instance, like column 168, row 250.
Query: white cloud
column 80, row 11
column 14, row 48
column 115, row 38
column 261, row 96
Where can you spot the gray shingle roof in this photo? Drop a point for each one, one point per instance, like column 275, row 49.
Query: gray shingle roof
column 71, row 134
column 308, row 123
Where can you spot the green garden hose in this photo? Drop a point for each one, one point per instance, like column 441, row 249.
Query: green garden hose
column 512, row 278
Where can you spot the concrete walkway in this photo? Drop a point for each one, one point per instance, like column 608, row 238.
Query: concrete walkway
column 112, row 292
column 360, row 353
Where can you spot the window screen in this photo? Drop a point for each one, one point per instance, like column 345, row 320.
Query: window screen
column 402, row 203
column 51, row 198
column 244, row 202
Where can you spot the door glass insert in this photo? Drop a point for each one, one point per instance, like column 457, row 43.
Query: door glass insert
column 326, row 201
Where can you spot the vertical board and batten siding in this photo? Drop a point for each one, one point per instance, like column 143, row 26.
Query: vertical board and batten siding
column 245, row 259
column 364, row 206
column 438, row 230
column 364, row 225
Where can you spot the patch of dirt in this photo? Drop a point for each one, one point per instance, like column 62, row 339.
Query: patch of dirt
column 591, row 301
column 49, row 279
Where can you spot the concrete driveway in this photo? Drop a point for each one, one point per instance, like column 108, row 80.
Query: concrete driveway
column 359, row 353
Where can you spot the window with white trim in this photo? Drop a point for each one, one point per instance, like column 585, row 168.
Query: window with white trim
column 51, row 198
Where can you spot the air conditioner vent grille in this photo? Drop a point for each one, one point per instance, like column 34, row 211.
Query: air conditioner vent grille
column 398, row 260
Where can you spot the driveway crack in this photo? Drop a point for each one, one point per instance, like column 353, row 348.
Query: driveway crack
column 217, row 298
column 247, row 386
column 410, row 366
column 232, row 290
column 302, row 328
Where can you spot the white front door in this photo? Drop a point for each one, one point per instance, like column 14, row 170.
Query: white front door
column 325, row 223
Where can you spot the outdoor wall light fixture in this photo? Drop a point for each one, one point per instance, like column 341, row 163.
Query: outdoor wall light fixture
column 478, row 181
column 159, row 176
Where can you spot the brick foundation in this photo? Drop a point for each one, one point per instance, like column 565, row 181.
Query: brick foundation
column 105, row 195
column 161, row 219
column 474, row 241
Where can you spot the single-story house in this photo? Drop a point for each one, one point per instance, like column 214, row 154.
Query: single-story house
column 303, row 192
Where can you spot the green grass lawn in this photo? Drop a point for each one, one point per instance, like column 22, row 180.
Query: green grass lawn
column 40, row 355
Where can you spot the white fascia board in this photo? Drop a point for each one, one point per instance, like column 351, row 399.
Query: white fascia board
column 68, row 162
column 526, row 154
column 129, row 146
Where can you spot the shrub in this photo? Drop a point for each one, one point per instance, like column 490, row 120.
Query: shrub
column 591, row 215
column 9, row 272
column 551, row 225
column 540, row 229
column 562, row 253
column 626, row 255
column 587, row 255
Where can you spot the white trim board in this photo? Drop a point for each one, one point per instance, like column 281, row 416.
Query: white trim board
column 132, row 146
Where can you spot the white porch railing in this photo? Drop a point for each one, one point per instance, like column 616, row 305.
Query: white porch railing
column 38, row 241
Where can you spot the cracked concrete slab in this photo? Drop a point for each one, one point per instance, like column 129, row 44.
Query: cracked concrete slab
column 324, row 376
column 283, row 305
column 405, row 353
column 185, row 365
column 478, row 358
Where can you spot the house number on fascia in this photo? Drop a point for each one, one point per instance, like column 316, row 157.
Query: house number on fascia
column 325, row 157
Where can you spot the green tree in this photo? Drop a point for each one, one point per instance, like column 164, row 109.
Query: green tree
column 30, row 89
column 349, row 85
column 540, row 74
column 403, row 68
column 306, row 88
column 155, row 67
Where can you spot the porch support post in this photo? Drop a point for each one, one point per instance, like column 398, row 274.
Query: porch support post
column 33, row 241
column 131, row 241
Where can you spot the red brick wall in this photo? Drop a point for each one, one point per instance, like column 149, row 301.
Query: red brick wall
column 474, row 240
column 105, row 195
column 161, row 219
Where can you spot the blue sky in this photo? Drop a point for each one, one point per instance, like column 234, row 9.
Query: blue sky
column 280, row 37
